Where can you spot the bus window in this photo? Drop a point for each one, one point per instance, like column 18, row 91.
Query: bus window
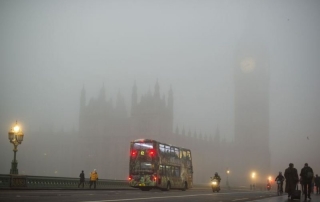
column 162, row 170
column 184, row 154
column 177, row 171
column 188, row 155
column 168, row 170
column 172, row 171
column 176, row 151
column 167, row 148
column 172, row 151
column 142, row 145
column 162, row 148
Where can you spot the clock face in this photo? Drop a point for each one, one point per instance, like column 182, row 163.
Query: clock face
column 247, row 64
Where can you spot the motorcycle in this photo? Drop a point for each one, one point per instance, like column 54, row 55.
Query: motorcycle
column 268, row 187
column 215, row 185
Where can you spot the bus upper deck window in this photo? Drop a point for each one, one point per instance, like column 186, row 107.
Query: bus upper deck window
column 188, row 155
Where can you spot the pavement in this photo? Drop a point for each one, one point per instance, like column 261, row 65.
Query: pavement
column 314, row 198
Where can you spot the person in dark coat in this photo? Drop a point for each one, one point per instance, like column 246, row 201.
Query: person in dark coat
column 81, row 179
column 301, row 184
column 307, row 176
column 292, row 178
column 317, row 183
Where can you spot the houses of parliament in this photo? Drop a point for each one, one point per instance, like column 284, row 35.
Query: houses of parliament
column 106, row 129
column 105, row 132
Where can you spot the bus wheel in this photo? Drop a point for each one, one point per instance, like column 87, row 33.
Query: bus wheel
column 185, row 187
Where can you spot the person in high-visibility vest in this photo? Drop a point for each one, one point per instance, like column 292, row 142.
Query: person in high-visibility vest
column 93, row 178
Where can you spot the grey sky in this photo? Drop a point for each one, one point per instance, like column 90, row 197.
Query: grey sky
column 49, row 50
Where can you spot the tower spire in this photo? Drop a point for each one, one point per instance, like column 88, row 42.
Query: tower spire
column 157, row 90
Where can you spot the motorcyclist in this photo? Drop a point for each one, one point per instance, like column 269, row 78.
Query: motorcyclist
column 280, row 178
column 215, row 182
column 268, row 185
column 217, row 177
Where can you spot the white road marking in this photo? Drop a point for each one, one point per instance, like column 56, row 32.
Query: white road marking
column 240, row 199
column 150, row 198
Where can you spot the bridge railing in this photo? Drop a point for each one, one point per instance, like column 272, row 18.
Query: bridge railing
column 44, row 182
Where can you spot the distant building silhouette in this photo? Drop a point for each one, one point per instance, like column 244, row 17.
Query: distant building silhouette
column 106, row 129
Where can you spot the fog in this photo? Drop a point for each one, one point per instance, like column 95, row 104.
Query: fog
column 51, row 50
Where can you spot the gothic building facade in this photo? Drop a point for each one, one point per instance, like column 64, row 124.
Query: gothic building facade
column 106, row 129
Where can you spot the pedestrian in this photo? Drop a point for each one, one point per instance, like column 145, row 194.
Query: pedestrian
column 292, row 178
column 312, row 185
column 81, row 179
column 301, row 184
column 93, row 178
column 317, row 183
column 307, row 176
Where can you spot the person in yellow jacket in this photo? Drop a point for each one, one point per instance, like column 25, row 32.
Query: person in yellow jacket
column 93, row 178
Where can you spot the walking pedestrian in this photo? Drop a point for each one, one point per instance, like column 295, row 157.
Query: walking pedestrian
column 81, row 179
column 292, row 178
column 307, row 176
column 301, row 184
column 317, row 183
column 93, row 178
column 312, row 185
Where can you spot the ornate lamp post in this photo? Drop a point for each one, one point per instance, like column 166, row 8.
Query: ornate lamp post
column 15, row 136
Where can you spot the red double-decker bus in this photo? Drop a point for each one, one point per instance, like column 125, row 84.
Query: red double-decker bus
column 158, row 165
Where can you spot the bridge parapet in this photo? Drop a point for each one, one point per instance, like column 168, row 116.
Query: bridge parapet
column 45, row 182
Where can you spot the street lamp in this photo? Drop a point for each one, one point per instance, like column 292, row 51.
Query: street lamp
column 253, row 175
column 228, row 171
column 15, row 136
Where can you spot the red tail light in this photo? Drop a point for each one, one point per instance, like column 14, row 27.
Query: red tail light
column 152, row 152
column 153, row 178
column 129, row 178
column 134, row 153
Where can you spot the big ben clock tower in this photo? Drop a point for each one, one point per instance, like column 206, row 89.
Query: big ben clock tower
column 251, row 80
